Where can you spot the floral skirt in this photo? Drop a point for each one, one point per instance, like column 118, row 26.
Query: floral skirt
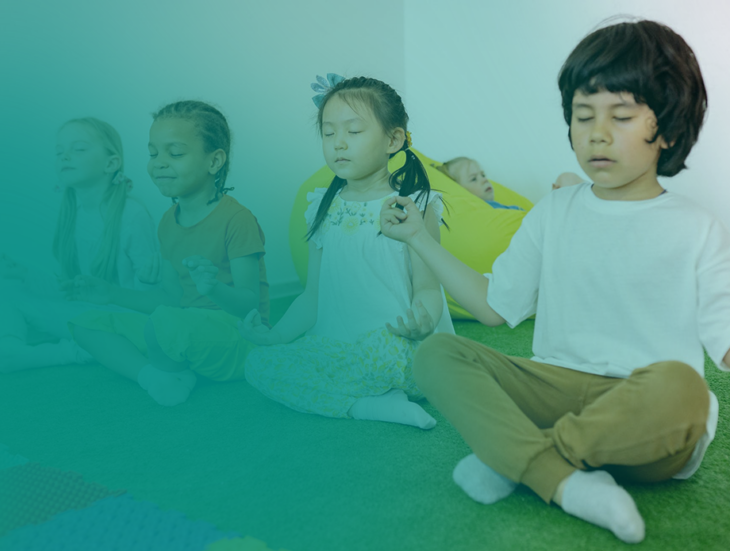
column 320, row 375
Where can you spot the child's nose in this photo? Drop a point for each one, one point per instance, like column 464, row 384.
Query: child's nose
column 599, row 131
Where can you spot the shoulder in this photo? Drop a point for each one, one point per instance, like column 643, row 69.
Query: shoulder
column 136, row 219
column 314, row 198
column 135, row 209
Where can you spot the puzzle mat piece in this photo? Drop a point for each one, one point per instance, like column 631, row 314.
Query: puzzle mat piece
column 116, row 524
column 33, row 493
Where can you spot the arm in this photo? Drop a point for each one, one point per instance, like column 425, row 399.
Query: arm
column 243, row 297
column 426, row 287
column 466, row 285
column 301, row 315
column 98, row 291
column 169, row 294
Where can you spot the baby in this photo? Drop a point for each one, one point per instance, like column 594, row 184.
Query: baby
column 468, row 174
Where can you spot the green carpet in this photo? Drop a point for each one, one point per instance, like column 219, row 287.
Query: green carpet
column 307, row 483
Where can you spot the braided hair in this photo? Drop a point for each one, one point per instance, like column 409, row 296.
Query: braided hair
column 213, row 129
column 388, row 109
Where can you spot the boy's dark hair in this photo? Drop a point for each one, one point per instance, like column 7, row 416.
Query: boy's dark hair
column 213, row 129
column 388, row 109
column 653, row 63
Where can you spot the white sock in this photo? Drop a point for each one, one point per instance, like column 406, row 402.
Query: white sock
column 165, row 387
column 596, row 498
column 480, row 482
column 15, row 355
column 393, row 407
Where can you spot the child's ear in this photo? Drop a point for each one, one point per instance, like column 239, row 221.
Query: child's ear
column 663, row 143
column 114, row 164
column 396, row 140
column 217, row 160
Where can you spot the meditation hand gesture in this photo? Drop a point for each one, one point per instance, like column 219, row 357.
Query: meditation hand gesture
column 415, row 329
column 9, row 269
column 87, row 289
column 151, row 272
column 401, row 225
column 203, row 273
column 256, row 332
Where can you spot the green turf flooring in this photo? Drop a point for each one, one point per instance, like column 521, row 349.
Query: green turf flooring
column 309, row 483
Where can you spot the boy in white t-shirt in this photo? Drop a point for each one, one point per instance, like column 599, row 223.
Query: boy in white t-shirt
column 628, row 284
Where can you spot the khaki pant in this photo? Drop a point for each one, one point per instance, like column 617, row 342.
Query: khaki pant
column 536, row 423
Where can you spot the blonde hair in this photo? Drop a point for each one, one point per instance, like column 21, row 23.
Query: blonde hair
column 449, row 167
column 104, row 266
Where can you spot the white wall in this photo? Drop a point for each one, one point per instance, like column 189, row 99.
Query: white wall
column 482, row 82
column 120, row 61
column 478, row 78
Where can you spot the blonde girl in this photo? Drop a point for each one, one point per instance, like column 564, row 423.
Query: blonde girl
column 101, row 232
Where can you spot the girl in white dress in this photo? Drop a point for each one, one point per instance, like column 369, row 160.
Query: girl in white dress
column 351, row 362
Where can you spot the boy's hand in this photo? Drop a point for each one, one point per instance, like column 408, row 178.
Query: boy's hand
column 203, row 273
column 401, row 225
column 256, row 332
column 415, row 329
column 87, row 289
column 151, row 273
column 9, row 269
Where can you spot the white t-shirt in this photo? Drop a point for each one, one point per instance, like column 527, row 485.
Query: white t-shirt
column 618, row 285
column 137, row 244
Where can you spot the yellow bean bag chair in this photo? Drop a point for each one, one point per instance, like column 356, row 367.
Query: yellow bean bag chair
column 477, row 233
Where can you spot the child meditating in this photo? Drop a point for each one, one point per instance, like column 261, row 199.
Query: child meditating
column 352, row 363
column 100, row 232
column 628, row 282
column 212, row 268
column 468, row 174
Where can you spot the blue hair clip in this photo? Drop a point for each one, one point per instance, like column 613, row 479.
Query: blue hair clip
column 323, row 86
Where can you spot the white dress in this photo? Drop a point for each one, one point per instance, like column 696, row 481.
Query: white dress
column 365, row 281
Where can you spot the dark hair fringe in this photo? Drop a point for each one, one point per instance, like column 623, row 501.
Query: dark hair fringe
column 657, row 66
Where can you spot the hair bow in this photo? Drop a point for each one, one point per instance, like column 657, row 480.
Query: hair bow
column 409, row 141
column 323, row 86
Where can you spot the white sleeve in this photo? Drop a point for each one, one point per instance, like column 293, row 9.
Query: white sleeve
column 515, row 277
column 315, row 199
column 713, row 291
column 435, row 199
column 139, row 241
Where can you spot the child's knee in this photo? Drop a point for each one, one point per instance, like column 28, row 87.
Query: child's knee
column 680, row 390
column 429, row 361
column 150, row 336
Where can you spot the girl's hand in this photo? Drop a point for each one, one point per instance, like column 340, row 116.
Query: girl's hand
column 87, row 289
column 9, row 269
column 151, row 273
column 256, row 332
column 203, row 272
column 401, row 225
column 415, row 329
